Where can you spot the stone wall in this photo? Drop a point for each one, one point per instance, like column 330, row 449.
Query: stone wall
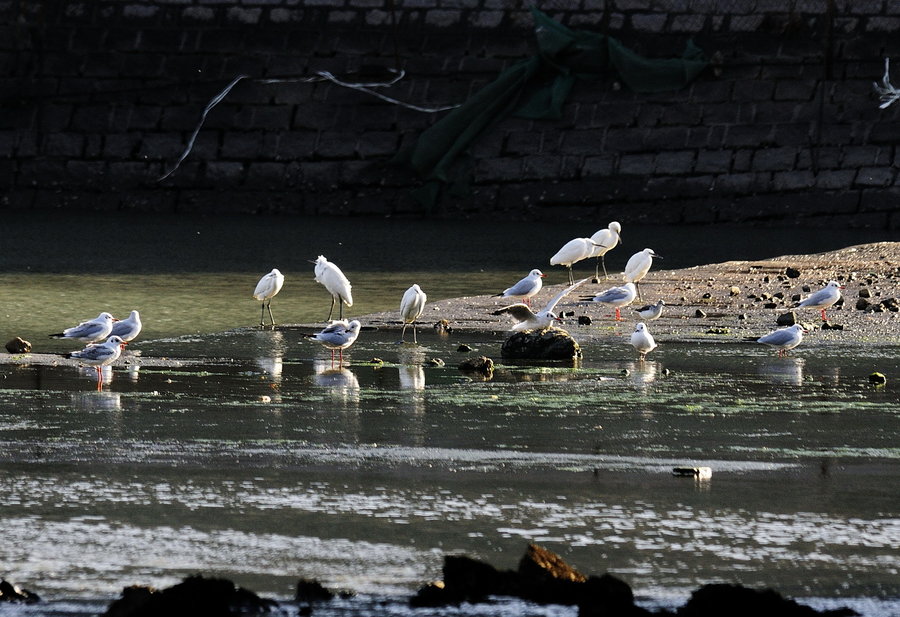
column 100, row 98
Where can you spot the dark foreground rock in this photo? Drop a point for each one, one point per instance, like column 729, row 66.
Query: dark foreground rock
column 549, row 344
column 12, row 593
column 195, row 595
column 737, row 601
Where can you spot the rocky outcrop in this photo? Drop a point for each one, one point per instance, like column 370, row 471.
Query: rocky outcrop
column 12, row 593
column 549, row 344
column 195, row 595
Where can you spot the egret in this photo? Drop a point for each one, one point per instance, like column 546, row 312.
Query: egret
column 266, row 289
column 651, row 312
column 335, row 282
column 642, row 340
column 617, row 297
column 637, row 267
column 606, row 240
column 89, row 331
column 128, row 329
column 824, row 298
column 412, row 305
column 572, row 252
column 525, row 288
column 340, row 335
column 99, row 355
column 784, row 338
column 526, row 319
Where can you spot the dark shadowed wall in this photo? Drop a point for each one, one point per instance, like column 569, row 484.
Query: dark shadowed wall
column 100, row 98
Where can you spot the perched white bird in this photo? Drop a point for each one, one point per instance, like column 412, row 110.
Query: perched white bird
column 266, row 289
column 128, row 329
column 824, row 298
column 89, row 331
column 642, row 340
column 606, row 240
column 335, row 282
column 651, row 312
column 638, row 266
column 572, row 251
column 526, row 319
column 525, row 288
column 340, row 335
column 412, row 305
column 99, row 355
column 617, row 297
column 784, row 338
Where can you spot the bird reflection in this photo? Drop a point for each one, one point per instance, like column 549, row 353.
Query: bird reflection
column 271, row 367
column 787, row 370
column 412, row 377
column 106, row 373
column 97, row 401
column 642, row 374
column 342, row 382
column 133, row 370
column 271, row 354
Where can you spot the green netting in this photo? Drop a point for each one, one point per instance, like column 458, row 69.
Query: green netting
column 537, row 88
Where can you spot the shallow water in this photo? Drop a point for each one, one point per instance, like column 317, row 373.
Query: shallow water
column 258, row 461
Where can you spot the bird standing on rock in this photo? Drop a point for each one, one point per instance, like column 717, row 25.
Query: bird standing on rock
column 784, row 338
column 525, row 288
column 335, row 282
column 89, row 331
column 824, row 298
column 526, row 319
column 266, row 289
column 642, row 340
column 412, row 305
column 605, row 240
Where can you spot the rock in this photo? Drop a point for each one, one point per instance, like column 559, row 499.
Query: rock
column 700, row 313
column 18, row 345
column 442, row 327
column 193, row 596
column 865, row 292
column 891, row 304
column 734, row 290
column 862, row 304
column 878, row 379
column 827, row 325
column 792, row 273
column 549, row 344
column 700, row 473
column 584, row 320
column 786, row 319
column 311, row 591
column 738, row 601
column 12, row 593
column 481, row 364
column 770, row 305
column 463, row 348
column 435, row 362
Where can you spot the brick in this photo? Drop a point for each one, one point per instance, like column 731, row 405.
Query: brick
column 875, row 176
column 774, row 159
column 837, row 179
column 713, row 161
column 792, row 180
column 598, row 166
column 674, row 163
column 649, row 22
column 541, row 167
column 641, row 164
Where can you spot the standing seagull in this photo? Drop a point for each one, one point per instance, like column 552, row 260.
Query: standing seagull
column 335, row 282
column 617, row 297
column 642, row 340
column 338, row 335
column 266, row 289
column 526, row 319
column 525, row 288
column 605, row 240
column 89, row 331
column 638, row 266
column 824, row 298
column 412, row 305
column 573, row 251
column 99, row 355
column 784, row 338
column 651, row 312
column 128, row 329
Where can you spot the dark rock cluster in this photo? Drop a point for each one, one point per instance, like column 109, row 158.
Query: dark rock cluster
column 549, row 344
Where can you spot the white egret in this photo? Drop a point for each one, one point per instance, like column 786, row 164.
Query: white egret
column 638, row 266
column 606, row 240
column 784, row 338
column 128, row 329
column 412, row 305
column 617, row 297
column 340, row 335
column 335, row 282
column 526, row 288
column 526, row 319
column 642, row 340
column 266, row 289
column 89, row 331
column 824, row 298
column 99, row 355
column 572, row 252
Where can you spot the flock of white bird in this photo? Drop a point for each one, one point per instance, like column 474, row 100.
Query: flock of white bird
column 340, row 334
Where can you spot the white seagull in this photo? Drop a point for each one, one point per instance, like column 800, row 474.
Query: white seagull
column 638, row 266
column 335, row 282
column 642, row 340
column 89, row 331
column 128, row 329
column 526, row 319
column 573, row 251
column 784, row 338
column 266, row 289
column 340, row 335
column 617, row 297
column 651, row 312
column 525, row 288
column 823, row 298
column 412, row 305
column 100, row 354
column 606, row 240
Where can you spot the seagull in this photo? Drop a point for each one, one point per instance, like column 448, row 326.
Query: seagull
column 651, row 312
column 606, row 240
column 526, row 319
column 525, row 288
column 339, row 334
column 824, row 298
column 642, row 340
column 411, row 307
column 100, row 354
column 573, row 251
column 784, row 338
column 89, row 331
column 266, row 289
column 335, row 282
column 617, row 297
column 128, row 329
column 638, row 265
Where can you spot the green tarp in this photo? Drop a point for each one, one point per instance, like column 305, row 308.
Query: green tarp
column 537, row 88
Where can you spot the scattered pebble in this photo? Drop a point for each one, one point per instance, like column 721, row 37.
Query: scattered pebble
column 463, row 348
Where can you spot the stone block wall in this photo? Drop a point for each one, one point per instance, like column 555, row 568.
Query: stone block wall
column 100, row 99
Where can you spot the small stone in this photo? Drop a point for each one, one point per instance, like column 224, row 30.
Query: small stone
column 770, row 305
column 792, row 273
column 700, row 313
column 481, row 364
column 796, row 298
column 805, row 288
column 878, row 379
column 701, row 473
column 862, row 304
column 734, row 291
column 832, row 326
column 442, row 326
column 584, row 320
column 18, row 345
column 865, row 292
column 463, row 348
column 787, row 319
column 779, row 295
column 376, row 361
column 435, row 362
